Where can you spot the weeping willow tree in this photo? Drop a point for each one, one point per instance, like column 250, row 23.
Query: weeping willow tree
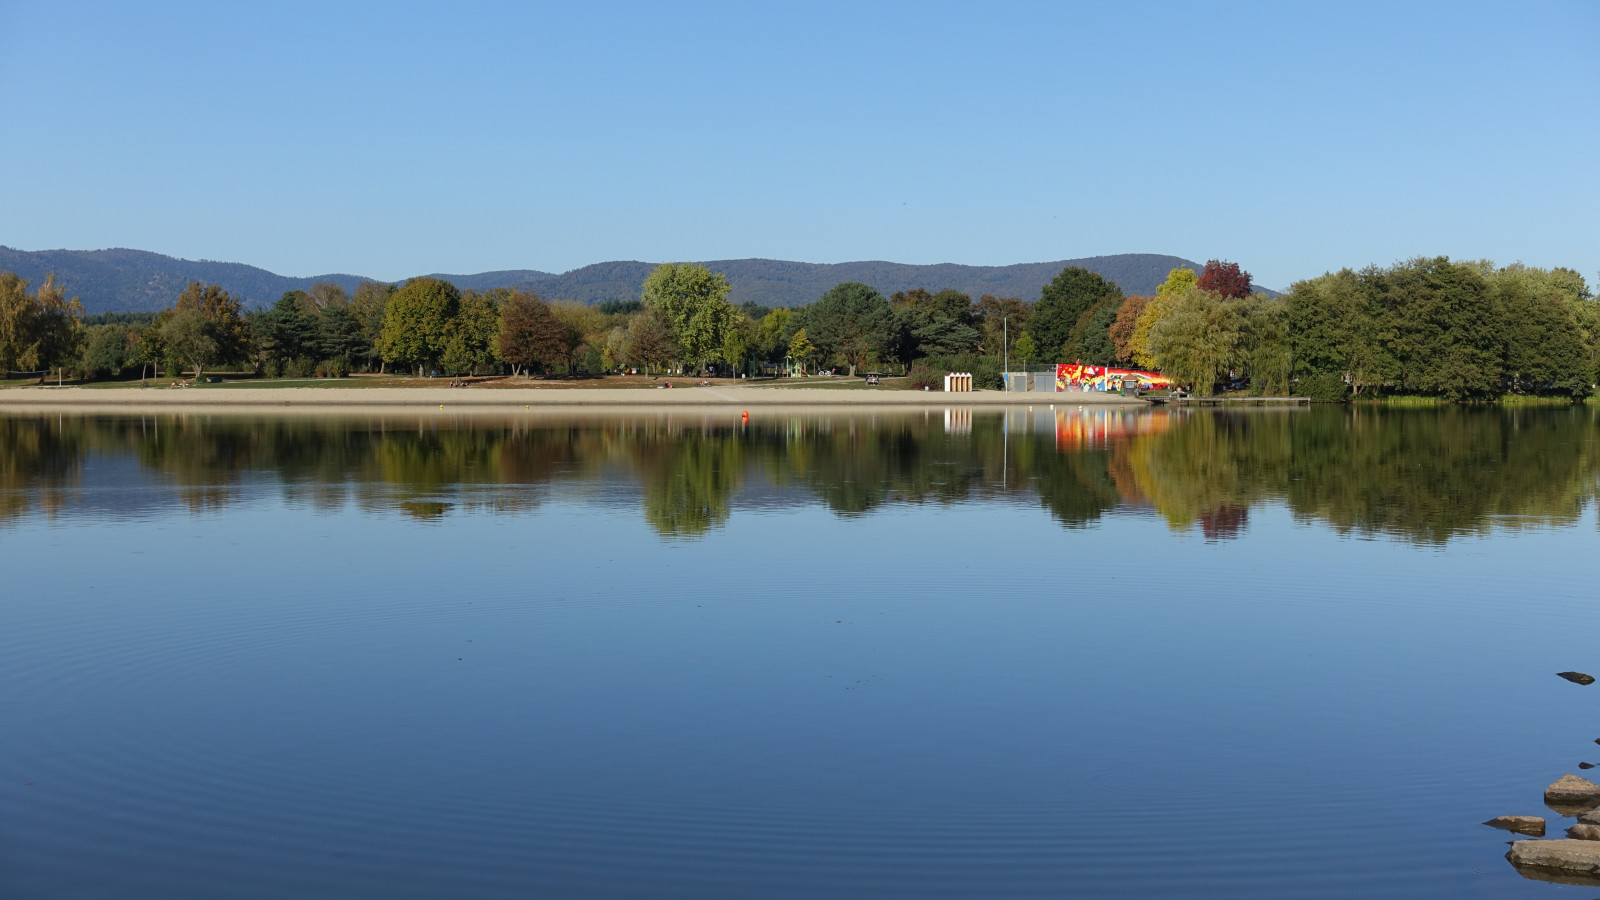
column 1198, row 339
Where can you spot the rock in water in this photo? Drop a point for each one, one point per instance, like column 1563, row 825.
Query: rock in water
column 1592, row 817
column 1571, row 795
column 1582, row 832
column 1585, row 765
column 1570, row 790
column 1568, row 862
column 1577, row 677
column 1532, row 826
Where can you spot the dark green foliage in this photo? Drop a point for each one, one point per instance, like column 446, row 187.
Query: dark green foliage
column 985, row 370
column 1090, row 339
column 133, row 320
column 620, row 307
column 1453, row 330
column 339, row 335
column 289, row 329
column 850, row 320
column 1444, row 328
column 1062, row 302
column 1323, row 388
column 106, row 350
column 923, row 378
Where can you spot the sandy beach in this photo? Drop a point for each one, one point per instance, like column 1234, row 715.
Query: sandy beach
column 245, row 399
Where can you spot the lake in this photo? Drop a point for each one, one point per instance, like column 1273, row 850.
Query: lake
column 1037, row 653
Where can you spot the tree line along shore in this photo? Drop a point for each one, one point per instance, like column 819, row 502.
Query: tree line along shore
column 1429, row 327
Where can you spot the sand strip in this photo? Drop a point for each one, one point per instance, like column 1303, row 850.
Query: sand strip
column 501, row 399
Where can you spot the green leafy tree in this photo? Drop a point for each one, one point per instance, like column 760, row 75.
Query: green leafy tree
column 1267, row 354
column 848, row 321
column 1335, row 323
column 773, row 334
column 1198, row 340
column 473, row 333
column 224, row 322
column 38, row 332
column 801, row 349
column 693, row 300
column 417, row 322
column 1546, row 350
column 1062, row 302
column 1026, row 348
column 930, row 324
column 740, row 342
column 106, row 350
column 187, row 335
column 1443, row 327
column 369, row 305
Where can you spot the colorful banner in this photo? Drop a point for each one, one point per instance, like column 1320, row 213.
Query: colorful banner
column 1076, row 377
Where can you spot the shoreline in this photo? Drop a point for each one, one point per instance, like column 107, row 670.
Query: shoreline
column 79, row 399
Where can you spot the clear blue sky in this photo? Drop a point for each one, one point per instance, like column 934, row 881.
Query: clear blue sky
column 389, row 139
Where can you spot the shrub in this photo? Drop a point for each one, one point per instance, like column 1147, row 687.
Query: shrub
column 985, row 369
column 923, row 378
column 1323, row 388
column 338, row 367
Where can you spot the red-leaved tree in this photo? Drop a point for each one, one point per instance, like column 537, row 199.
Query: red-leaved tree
column 1225, row 278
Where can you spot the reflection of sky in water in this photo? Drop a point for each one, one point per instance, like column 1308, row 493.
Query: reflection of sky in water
column 946, row 699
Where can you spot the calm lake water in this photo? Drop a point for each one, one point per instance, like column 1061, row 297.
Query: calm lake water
column 1050, row 653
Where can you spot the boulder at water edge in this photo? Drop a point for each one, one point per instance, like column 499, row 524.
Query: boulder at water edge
column 1569, row 862
column 1577, row 677
column 1532, row 826
column 1570, row 790
column 1583, row 832
column 1592, row 817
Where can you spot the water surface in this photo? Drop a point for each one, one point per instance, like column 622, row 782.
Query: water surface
column 1041, row 653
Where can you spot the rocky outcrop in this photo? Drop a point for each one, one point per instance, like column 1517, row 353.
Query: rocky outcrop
column 1565, row 861
column 1583, row 832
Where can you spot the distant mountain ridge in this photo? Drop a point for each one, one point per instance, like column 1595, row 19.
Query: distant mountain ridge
column 123, row 280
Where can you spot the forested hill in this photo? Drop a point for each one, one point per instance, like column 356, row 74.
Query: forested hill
column 139, row 281
column 136, row 280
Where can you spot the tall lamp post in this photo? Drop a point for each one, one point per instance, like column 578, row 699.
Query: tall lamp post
column 1005, row 348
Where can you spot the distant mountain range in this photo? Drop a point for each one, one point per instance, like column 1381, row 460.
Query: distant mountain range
column 138, row 281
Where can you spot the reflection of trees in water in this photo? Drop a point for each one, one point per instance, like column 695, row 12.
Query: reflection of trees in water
column 689, row 478
column 1425, row 475
column 1431, row 475
column 41, row 462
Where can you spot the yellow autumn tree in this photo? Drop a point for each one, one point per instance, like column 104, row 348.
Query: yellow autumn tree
column 1178, row 283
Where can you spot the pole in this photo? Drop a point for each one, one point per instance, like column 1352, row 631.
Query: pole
column 1005, row 348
